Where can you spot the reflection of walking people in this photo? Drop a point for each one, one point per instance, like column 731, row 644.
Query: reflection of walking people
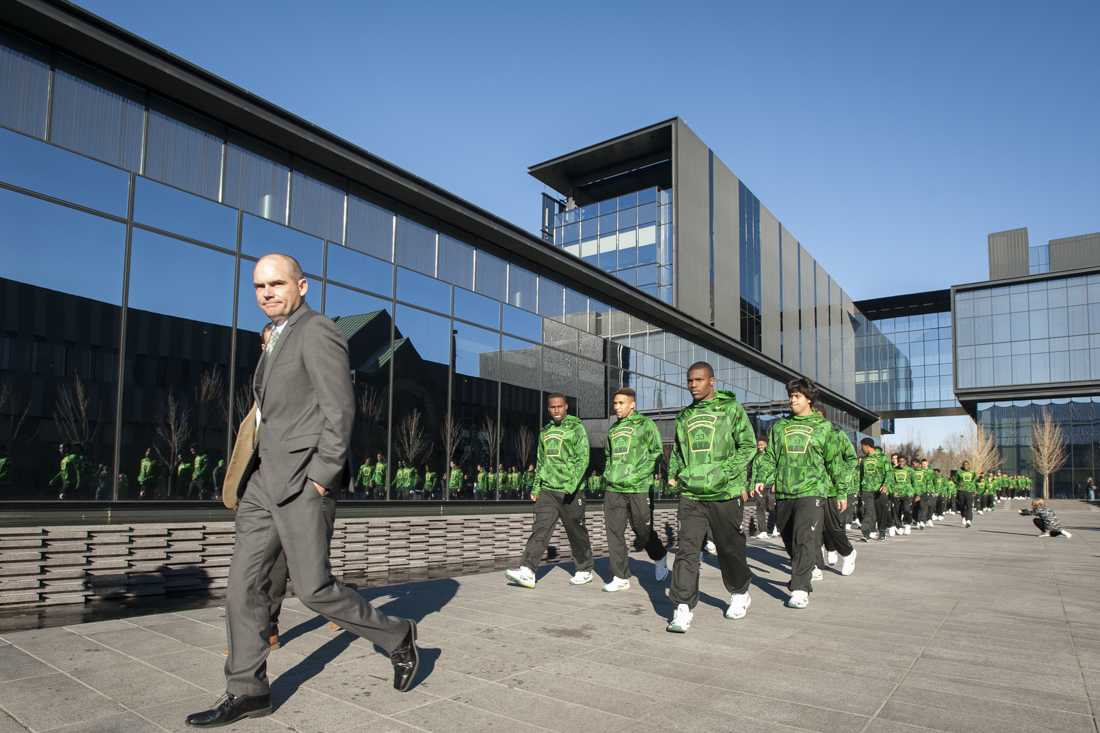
column 304, row 413
column 559, row 471
column 708, row 468
column 147, row 475
column 634, row 447
column 68, row 476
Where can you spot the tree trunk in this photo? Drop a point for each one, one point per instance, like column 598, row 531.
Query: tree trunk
column 1046, row 486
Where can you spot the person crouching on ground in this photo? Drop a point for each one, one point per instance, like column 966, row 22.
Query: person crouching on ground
column 1045, row 519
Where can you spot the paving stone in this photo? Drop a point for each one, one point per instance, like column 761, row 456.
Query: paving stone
column 122, row 723
column 51, row 701
column 16, row 664
column 448, row 715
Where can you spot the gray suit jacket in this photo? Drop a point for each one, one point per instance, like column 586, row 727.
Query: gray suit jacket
column 305, row 397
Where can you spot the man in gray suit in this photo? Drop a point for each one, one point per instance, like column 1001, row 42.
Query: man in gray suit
column 304, row 411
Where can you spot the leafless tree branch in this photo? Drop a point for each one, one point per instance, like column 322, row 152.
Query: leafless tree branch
column 1048, row 448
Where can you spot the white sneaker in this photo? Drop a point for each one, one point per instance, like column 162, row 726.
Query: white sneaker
column 711, row 548
column 1066, row 534
column 891, row 531
column 830, row 558
column 522, row 576
column 873, row 535
column 681, row 620
column 581, row 577
column 857, row 524
column 908, row 530
column 762, row 536
column 739, row 605
column 817, row 574
column 1044, row 534
column 660, row 569
column 847, row 526
column 848, row 564
column 775, row 532
column 617, row 583
column 798, row 599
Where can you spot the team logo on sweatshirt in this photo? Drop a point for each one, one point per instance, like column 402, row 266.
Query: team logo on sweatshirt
column 621, row 437
column 797, row 438
column 552, row 441
column 700, row 431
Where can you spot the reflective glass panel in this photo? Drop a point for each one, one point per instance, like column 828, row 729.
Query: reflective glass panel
column 359, row 270
column 261, row 237
column 173, row 210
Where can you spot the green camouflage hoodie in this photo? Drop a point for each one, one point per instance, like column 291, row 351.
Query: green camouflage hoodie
column 714, row 443
column 922, row 481
column 804, row 458
column 633, row 448
column 847, row 453
column 562, row 456
column 903, row 481
column 965, row 480
column 876, row 472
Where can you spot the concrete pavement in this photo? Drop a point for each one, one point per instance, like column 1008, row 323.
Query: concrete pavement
column 949, row 629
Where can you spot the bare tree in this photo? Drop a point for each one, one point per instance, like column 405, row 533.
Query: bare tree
column 1048, row 448
column 210, row 397
column 451, row 431
column 172, row 434
column 982, row 451
column 492, row 439
column 71, row 415
column 410, row 437
column 371, row 404
column 17, row 418
column 524, row 444
column 242, row 402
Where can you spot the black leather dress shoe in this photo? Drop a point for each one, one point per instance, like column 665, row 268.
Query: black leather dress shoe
column 406, row 661
column 230, row 709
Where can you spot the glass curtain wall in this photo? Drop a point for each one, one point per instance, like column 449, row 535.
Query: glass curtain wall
column 1010, row 423
column 131, row 333
column 629, row 236
column 1029, row 333
column 904, row 363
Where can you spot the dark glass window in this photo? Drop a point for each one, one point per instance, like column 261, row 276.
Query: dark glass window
column 521, row 287
column 186, row 156
column 255, row 182
column 359, row 270
column 24, row 85
column 176, row 401
column 370, row 228
column 316, row 207
column 47, row 169
column 260, row 237
column 59, row 349
column 477, row 308
column 491, row 275
column 456, row 262
column 415, row 247
column 169, row 208
column 423, row 291
column 472, row 423
column 521, row 323
column 551, row 298
column 97, row 115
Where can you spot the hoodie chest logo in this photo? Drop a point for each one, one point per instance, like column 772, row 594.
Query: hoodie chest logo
column 700, row 432
column 797, row 439
column 552, row 442
column 621, row 439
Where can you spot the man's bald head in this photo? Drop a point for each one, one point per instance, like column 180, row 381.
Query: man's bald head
column 280, row 286
column 290, row 266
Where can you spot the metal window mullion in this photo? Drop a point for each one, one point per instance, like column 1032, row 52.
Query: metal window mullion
column 144, row 134
column 289, row 191
column 116, row 459
column 233, row 336
column 51, row 86
column 222, row 161
column 389, row 376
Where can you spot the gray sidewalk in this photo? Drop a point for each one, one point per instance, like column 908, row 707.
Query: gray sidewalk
column 961, row 630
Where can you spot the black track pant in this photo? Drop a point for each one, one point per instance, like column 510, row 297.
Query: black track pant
column 905, row 510
column 549, row 508
column 836, row 539
column 724, row 520
column 871, row 513
column 966, row 505
column 799, row 521
column 617, row 509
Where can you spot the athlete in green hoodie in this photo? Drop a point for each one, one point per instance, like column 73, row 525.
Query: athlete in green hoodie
column 559, row 471
column 834, row 536
column 805, row 463
column 876, row 478
column 966, row 483
column 903, row 492
column 708, row 468
column 633, row 452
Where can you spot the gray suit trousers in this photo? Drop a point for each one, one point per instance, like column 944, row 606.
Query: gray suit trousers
column 299, row 528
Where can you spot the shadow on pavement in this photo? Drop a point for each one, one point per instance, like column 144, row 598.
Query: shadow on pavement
column 415, row 602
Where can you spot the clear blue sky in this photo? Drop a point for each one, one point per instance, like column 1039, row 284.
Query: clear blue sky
column 890, row 137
